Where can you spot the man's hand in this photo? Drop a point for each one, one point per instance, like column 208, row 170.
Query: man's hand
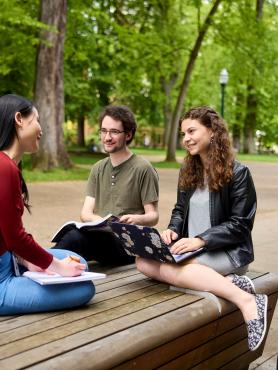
column 187, row 245
column 149, row 218
column 131, row 219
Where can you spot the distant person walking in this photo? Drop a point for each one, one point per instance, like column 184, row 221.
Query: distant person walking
column 20, row 132
column 215, row 209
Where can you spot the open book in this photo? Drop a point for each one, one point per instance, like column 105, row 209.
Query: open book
column 146, row 242
column 79, row 225
column 45, row 279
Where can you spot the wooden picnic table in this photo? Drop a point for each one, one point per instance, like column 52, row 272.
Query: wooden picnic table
column 134, row 322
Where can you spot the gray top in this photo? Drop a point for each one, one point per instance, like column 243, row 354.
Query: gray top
column 199, row 217
column 122, row 189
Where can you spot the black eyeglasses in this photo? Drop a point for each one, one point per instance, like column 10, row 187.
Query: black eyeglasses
column 112, row 132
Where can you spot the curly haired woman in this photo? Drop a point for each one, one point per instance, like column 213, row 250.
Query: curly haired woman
column 215, row 209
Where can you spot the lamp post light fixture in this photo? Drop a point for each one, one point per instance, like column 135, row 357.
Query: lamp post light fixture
column 223, row 79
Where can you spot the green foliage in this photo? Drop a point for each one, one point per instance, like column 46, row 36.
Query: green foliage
column 19, row 31
column 134, row 52
column 250, row 58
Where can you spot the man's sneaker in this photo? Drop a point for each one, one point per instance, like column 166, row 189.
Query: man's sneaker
column 244, row 283
column 256, row 328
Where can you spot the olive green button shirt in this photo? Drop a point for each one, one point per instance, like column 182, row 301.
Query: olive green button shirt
column 122, row 189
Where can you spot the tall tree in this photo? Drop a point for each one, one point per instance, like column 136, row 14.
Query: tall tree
column 49, row 89
column 171, row 150
column 252, row 97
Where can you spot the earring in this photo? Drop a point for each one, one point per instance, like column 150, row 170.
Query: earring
column 211, row 140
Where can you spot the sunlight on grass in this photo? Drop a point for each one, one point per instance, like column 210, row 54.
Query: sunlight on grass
column 273, row 158
column 75, row 173
column 83, row 162
column 158, row 151
column 165, row 164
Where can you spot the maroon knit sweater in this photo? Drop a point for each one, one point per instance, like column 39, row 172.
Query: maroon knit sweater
column 13, row 236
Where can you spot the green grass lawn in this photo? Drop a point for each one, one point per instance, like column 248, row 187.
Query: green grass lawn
column 181, row 153
column 84, row 160
column 258, row 157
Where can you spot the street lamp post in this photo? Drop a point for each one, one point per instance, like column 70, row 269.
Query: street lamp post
column 223, row 79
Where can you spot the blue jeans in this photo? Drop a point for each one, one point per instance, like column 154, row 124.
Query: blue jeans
column 19, row 295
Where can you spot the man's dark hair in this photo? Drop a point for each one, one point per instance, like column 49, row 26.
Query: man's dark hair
column 123, row 114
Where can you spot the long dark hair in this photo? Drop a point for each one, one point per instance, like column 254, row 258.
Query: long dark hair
column 9, row 106
column 220, row 153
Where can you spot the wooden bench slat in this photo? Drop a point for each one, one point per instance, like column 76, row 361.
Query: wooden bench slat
column 200, row 354
column 123, row 288
column 110, row 270
column 183, row 344
column 10, row 322
column 119, row 282
column 240, row 362
column 154, row 331
column 133, row 322
column 93, row 328
column 219, row 350
column 118, row 276
column 171, row 350
column 69, row 317
column 186, row 343
column 118, row 346
column 6, row 318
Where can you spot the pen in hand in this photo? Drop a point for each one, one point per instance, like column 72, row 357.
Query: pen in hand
column 74, row 259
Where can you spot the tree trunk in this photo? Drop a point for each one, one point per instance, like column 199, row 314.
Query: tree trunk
column 80, row 130
column 167, row 112
column 49, row 88
column 259, row 10
column 236, row 138
column 252, row 102
column 171, row 150
column 250, row 121
column 167, row 108
column 239, row 119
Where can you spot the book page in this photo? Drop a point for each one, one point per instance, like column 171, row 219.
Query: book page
column 79, row 225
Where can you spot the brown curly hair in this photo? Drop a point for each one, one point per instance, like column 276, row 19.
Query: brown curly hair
column 220, row 153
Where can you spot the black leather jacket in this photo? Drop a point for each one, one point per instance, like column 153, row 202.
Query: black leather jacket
column 232, row 213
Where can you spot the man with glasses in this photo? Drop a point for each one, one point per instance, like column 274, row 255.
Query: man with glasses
column 123, row 184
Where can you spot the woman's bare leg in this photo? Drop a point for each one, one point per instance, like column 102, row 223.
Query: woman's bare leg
column 200, row 277
column 150, row 268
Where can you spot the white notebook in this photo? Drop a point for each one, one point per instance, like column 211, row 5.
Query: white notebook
column 45, row 279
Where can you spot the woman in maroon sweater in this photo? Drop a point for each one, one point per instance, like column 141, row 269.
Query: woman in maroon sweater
column 20, row 132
